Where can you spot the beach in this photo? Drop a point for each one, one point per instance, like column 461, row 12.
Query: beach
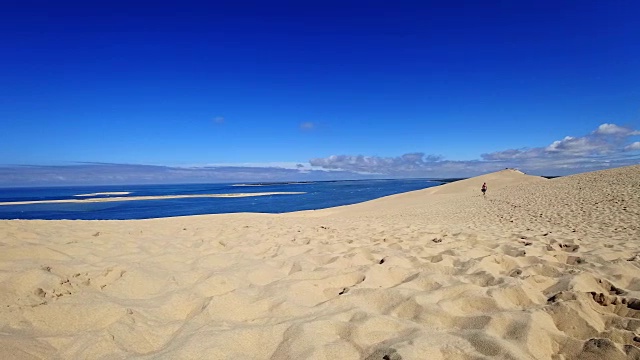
column 536, row 269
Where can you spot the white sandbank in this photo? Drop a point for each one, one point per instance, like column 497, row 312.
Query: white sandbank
column 136, row 198
column 106, row 193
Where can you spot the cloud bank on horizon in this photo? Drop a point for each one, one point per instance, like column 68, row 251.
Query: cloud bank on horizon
column 607, row 146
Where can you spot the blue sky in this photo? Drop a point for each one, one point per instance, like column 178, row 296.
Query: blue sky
column 345, row 89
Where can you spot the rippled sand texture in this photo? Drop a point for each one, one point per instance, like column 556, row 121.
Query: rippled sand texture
column 537, row 269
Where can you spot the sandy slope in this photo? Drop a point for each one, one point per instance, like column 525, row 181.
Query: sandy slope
column 539, row 269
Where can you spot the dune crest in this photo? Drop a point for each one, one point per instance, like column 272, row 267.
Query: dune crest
column 536, row 269
column 495, row 180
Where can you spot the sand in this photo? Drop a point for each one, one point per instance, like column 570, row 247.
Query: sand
column 110, row 193
column 140, row 198
column 537, row 269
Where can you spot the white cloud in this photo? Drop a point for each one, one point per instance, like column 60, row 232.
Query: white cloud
column 308, row 125
column 579, row 146
column 104, row 173
column 512, row 154
column 607, row 139
column 633, row 146
column 218, row 120
column 270, row 164
column 406, row 163
column 613, row 129
column 606, row 146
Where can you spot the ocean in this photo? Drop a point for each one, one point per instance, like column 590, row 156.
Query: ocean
column 317, row 195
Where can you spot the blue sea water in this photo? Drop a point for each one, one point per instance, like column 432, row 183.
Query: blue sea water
column 317, row 195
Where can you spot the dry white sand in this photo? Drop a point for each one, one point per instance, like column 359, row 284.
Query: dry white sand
column 539, row 269
column 139, row 198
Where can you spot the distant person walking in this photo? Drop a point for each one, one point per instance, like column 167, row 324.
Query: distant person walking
column 484, row 189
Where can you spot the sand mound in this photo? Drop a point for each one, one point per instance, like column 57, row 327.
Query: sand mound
column 537, row 269
column 495, row 181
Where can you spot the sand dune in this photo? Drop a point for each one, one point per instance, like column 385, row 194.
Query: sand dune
column 537, row 269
